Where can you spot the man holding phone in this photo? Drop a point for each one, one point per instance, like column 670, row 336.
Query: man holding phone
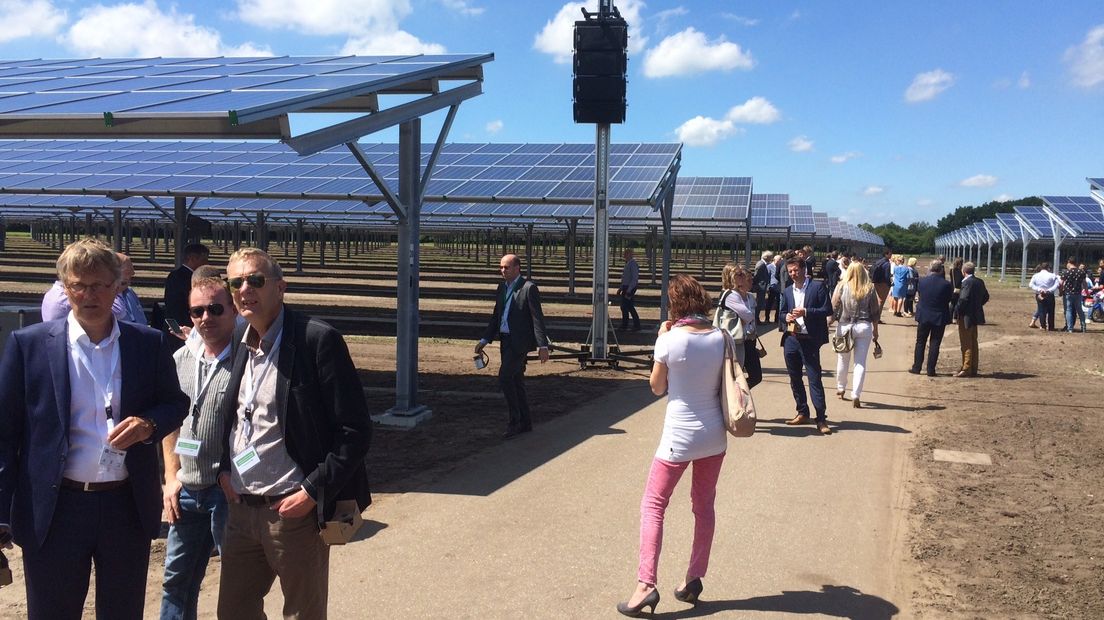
column 85, row 398
column 806, row 306
column 194, row 505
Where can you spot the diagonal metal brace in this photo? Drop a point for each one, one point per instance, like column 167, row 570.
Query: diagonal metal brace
column 396, row 205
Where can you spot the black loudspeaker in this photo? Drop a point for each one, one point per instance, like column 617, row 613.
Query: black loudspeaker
column 599, row 67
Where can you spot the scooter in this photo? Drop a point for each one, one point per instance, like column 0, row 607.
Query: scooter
column 1094, row 307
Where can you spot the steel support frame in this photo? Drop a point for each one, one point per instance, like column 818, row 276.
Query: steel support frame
column 600, row 292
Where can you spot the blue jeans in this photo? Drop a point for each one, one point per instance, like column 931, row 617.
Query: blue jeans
column 1074, row 308
column 199, row 529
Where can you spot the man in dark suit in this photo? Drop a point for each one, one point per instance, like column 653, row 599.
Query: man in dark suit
column 806, row 307
column 970, row 312
column 761, row 282
column 881, row 274
column 518, row 321
column 85, row 400
column 296, row 435
column 831, row 272
column 933, row 314
column 178, row 285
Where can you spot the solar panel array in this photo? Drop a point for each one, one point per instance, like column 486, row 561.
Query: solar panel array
column 1011, row 225
column 240, row 89
column 801, row 220
column 770, row 211
column 712, row 198
column 1097, row 183
column 1082, row 212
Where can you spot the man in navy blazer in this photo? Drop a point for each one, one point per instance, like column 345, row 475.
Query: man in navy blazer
column 85, row 400
column 933, row 315
column 806, row 306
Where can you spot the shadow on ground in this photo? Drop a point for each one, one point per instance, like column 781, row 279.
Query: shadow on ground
column 833, row 601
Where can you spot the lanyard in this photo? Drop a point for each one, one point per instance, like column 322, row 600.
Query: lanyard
column 200, row 390
column 254, row 384
column 106, row 388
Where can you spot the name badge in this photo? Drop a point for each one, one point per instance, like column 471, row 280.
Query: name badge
column 246, row 459
column 112, row 460
column 187, row 447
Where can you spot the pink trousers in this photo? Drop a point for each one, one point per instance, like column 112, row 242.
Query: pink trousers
column 662, row 479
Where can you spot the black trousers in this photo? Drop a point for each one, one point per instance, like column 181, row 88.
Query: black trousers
column 511, row 378
column 752, row 366
column 628, row 307
column 930, row 336
column 1044, row 309
column 100, row 528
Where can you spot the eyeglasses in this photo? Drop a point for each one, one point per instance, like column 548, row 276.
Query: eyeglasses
column 80, row 288
column 254, row 280
column 196, row 312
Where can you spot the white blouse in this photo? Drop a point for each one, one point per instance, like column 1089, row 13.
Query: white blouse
column 694, row 426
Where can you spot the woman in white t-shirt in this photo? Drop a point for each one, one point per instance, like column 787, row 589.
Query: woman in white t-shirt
column 688, row 356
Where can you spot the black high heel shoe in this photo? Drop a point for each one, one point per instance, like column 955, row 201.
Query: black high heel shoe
column 691, row 593
column 649, row 601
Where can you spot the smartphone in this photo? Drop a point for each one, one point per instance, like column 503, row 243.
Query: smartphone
column 174, row 327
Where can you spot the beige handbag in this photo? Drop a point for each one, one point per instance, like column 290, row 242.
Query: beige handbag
column 736, row 401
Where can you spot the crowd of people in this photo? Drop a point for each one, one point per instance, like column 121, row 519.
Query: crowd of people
column 1077, row 288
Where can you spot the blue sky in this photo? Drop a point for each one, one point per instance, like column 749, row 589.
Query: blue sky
column 871, row 111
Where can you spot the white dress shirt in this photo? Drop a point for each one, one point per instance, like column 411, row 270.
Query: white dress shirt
column 799, row 302
column 87, row 420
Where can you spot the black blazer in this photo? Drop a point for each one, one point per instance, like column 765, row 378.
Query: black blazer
column 526, row 319
column 934, row 304
column 818, row 307
column 178, row 284
column 971, row 301
column 831, row 273
column 35, row 417
column 324, row 415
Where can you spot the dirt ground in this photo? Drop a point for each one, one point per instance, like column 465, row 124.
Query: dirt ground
column 1022, row 538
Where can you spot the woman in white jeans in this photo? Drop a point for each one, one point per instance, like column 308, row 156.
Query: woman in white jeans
column 857, row 309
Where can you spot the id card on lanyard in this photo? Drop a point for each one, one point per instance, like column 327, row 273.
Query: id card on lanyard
column 249, row 458
column 190, row 447
column 112, row 461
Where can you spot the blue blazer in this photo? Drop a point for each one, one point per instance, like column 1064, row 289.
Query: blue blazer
column 934, row 305
column 34, row 422
column 818, row 307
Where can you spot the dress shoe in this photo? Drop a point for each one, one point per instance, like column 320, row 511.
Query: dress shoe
column 511, row 432
column 823, row 428
column 840, row 394
column 931, row 374
column 690, row 593
column 914, row 371
column 798, row 420
column 856, row 404
column 963, row 373
column 649, row 601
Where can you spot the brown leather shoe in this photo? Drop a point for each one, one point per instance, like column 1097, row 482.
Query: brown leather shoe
column 823, row 428
column 798, row 420
column 960, row 374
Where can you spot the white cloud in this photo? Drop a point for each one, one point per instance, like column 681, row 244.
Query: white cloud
column 801, row 144
column 144, row 30
column 705, row 131
column 1086, row 61
column 462, row 7
column 397, row 42
column 1024, row 82
column 372, row 26
column 873, row 190
column 556, row 38
column 756, row 110
column 740, row 19
column 844, row 157
column 663, row 16
column 689, row 52
column 33, row 18
column 925, row 202
column 1003, row 198
column 925, row 86
column 796, row 15
column 979, row 180
column 495, row 126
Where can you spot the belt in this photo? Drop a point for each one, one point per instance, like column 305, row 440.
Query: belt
column 262, row 500
column 92, row 487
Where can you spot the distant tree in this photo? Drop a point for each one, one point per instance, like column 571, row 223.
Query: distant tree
column 919, row 237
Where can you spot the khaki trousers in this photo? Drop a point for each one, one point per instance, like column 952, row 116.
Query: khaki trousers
column 883, row 293
column 259, row 546
column 968, row 339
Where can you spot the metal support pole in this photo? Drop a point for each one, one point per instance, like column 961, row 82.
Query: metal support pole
column 600, row 295
column 668, row 208
column 529, row 251
column 321, row 245
column 180, row 220
column 88, row 229
column 117, row 230
column 299, row 245
column 569, row 249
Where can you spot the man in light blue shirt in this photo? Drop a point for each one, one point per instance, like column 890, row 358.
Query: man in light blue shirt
column 630, row 278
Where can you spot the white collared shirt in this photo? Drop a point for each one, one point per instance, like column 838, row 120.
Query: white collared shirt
column 87, row 422
column 799, row 302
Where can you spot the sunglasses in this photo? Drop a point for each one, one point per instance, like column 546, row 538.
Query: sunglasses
column 254, row 280
column 196, row 312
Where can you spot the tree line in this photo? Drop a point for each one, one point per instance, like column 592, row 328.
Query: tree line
column 919, row 237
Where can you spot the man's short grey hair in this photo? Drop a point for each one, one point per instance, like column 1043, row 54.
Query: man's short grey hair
column 968, row 267
column 767, row 255
column 936, row 266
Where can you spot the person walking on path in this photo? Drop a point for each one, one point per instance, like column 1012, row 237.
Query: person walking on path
column 774, row 288
column 901, row 274
column 1073, row 282
column 1045, row 284
column 761, row 283
column 630, row 279
column 689, row 353
column 831, row 271
column 933, row 314
column 738, row 299
column 518, row 322
column 194, row 505
column 881, row 275
column 855, row 305
column 910, row 288
column 970, row 313
column 806, row 306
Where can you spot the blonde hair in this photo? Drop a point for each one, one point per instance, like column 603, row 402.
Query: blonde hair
column 257, row 254
column 86, row 255
column 856, row 279
column 912, row 261
column 729, row 274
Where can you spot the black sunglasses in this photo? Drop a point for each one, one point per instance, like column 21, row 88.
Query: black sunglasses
column 254, row 280
column 212, row 309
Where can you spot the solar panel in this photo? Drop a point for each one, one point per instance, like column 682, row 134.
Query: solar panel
column 1082, row 212
column 770, row 210
column 801, row 220
column 1097, row 183
column 727, row 198
column 1036, row 220
column 822, row 225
